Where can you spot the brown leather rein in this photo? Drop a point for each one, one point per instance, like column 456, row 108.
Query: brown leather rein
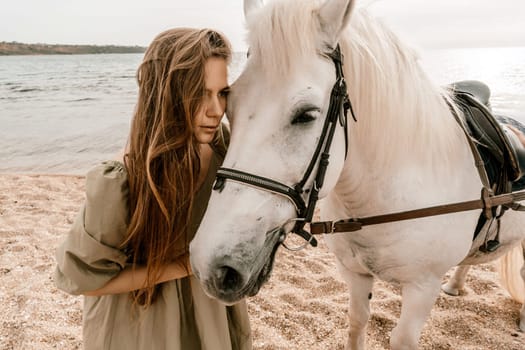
column 486, row 201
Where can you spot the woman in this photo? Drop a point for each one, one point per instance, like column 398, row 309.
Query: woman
column 127, row 252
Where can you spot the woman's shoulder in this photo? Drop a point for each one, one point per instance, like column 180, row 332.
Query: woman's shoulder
column 107, row 184
column 111, row 169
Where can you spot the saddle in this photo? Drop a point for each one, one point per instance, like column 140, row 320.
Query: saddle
column 501, row 152
column 500, row 147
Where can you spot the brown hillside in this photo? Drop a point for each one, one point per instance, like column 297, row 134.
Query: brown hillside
column 15, row 48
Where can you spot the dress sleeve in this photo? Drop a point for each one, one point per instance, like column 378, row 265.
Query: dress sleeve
column 91, row 254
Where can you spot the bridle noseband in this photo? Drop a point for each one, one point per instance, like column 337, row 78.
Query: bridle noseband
column 337, row 114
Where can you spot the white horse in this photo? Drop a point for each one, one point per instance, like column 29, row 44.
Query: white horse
column 405, row 151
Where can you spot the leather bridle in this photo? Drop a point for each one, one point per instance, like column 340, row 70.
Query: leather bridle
column 338, row 111
column 337, row 115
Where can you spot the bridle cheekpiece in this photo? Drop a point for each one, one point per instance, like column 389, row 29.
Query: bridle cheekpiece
column 337, row 115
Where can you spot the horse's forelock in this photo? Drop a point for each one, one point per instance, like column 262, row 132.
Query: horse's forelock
column 281, row 33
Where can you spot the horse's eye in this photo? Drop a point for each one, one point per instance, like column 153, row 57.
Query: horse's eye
column 305, row 117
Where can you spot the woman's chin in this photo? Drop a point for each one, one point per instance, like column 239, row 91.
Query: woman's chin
column 205, row 137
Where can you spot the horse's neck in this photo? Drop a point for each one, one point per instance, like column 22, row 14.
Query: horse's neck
column 403, row 130
column 394, row 165
column 405, row 136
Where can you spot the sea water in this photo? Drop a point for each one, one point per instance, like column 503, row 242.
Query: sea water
column 64, row 114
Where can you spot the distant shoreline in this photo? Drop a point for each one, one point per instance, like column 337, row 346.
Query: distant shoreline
column 16, row 48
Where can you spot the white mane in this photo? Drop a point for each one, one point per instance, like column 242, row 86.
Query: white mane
column 388, row 89
column 393, row 97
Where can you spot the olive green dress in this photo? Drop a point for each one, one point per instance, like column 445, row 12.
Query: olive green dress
column 183, row 317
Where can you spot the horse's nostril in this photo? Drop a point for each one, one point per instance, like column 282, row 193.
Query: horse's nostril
column 228, row 278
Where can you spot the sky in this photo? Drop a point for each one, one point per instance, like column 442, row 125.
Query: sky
column 425, row 23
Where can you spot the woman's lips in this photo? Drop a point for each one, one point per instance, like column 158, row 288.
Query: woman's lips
column 209, row 128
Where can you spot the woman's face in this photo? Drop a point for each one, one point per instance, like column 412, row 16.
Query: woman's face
column 209, row 118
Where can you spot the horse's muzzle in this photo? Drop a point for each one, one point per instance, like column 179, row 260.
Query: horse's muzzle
column 234, row 277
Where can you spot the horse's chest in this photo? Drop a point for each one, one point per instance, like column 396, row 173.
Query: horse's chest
column 362, row 256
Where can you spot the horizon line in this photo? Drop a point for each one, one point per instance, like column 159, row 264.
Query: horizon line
column 417, row 46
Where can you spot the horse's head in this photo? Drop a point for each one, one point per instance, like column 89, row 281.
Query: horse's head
column 277, row 111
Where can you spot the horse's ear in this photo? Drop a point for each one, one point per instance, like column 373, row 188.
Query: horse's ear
column 250, row 5
column 334, row 15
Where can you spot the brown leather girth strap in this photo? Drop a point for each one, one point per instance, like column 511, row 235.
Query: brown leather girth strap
column 487, row 201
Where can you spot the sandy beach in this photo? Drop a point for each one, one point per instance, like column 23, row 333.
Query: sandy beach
column 304, row 306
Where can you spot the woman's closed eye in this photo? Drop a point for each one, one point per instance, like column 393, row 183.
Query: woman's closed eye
column 224, row 93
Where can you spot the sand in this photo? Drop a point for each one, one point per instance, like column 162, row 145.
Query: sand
column 304, row 306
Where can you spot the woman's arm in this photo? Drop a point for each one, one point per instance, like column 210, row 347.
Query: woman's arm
column 133, row 278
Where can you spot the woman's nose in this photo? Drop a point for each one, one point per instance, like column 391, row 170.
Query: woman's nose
column 215, row 107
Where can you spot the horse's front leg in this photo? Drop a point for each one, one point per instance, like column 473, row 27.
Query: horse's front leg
column 456, row 283
column 360, row 291
column 418, row 299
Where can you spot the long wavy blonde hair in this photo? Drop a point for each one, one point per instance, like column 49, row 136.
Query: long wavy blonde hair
column 163, row 155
